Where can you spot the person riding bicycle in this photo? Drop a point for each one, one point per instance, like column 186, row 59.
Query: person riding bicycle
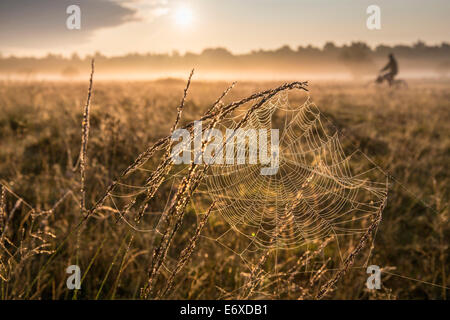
column 392, row 66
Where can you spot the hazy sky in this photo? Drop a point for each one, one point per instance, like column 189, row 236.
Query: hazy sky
column 36, row 27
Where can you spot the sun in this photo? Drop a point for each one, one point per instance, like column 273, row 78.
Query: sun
column 183, row 16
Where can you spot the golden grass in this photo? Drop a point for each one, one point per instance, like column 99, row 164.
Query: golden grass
column 405, row 132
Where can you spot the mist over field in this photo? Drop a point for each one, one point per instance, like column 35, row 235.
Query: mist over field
column 348, row 62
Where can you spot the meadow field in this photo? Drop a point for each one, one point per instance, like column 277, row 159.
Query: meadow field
column 405, row 132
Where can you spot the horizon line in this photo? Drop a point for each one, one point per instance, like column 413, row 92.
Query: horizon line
column 172, row 52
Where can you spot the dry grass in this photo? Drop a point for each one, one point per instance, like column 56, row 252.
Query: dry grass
column 405, row 132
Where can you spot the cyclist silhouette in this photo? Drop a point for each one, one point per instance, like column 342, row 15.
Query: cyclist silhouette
column 392, row 66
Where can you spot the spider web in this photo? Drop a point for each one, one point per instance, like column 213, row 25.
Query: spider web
column 314, row 195
column 318, row 191
column 323, row 190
